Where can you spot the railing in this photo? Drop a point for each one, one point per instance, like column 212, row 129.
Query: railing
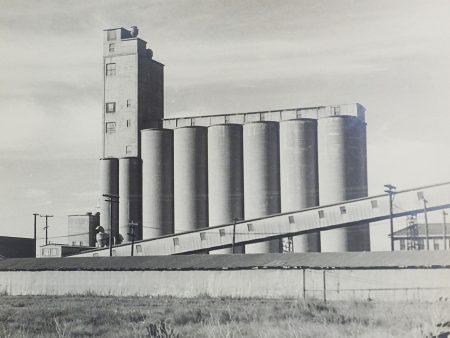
column 271, row 115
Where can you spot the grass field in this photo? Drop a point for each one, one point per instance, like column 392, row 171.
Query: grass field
column 92, row 316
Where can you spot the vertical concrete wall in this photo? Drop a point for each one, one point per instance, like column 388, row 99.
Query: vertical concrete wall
column 299, row 174
column 225, row 176
column 109, row 185
column 261, row 177
column 190, row 178
column 382, row 285
column 343, row 176
column 157, row 182
column 130, row 201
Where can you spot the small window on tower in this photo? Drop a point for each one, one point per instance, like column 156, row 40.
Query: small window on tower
column 128, row 123
column 129, row 103
column 110, row 69
column 374, row 204
column 336, row 110
column 202, row 236
column 436, row 244
column 128, row 150
column 222, row 232
column 343, row 210
column 321, row 214
column 111, row 47
column 110, row 127
column 110, row 107
column 111, row 35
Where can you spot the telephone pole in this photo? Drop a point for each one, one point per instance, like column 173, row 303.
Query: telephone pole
column 390, row 189
column 234, row 236
column 111, row 199
column 427, row 237
column 132, row 235
column 46, row 227
column 445, row 229
column 35, row 239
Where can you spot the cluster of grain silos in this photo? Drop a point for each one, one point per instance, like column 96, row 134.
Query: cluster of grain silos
column 198, row 176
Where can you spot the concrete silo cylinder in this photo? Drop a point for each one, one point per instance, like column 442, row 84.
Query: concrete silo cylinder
column 225, row 177
column 157, row 182
column 343, row 176
column 261, row 177
column 190, row 178
column 299, row 174
column 109, row 185
column 130, row 201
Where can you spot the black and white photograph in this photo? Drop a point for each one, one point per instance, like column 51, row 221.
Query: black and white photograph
column 215, row 168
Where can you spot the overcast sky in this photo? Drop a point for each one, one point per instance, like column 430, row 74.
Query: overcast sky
column 220, row 57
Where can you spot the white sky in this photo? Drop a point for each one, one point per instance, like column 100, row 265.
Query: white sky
column 220, row 57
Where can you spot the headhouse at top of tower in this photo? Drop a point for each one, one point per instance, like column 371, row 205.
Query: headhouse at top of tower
column 133, row 91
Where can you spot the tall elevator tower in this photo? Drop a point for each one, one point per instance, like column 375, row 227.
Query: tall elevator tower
column 133, row 100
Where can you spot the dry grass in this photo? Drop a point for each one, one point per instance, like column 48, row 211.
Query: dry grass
column 92, row 316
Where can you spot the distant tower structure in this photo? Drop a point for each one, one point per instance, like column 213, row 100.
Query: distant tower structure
column 133, row 100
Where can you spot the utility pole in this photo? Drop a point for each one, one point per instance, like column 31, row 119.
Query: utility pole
column 390, row 189
column 35, row 239
column 46, row 227
column 234, row 236
column 111, row 199
column 427, row 237
column 132, row 235
column 445, row 229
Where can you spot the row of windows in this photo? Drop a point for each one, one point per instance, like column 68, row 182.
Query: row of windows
column 251, row 228
column 75, row 243
column 110, row 107
column 52, row 252
column 420, row 244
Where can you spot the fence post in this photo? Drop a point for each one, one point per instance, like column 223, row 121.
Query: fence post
column 304, row 286
column 324, row 288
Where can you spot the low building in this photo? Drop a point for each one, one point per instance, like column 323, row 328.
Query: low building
column 413, row 237
column 81, row 229
column 17, row 247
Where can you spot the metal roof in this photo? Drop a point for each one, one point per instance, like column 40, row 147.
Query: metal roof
column 347, row 260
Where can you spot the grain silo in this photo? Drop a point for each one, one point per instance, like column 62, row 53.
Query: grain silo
column 343, row 176
column 130, row 192
column 225, row 176
column 299, row 174
column 157, row 182
column 261, row 177
column 190, row 178
column 109, row 185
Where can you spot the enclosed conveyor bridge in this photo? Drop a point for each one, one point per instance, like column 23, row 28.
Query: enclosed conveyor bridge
column 346, row 214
